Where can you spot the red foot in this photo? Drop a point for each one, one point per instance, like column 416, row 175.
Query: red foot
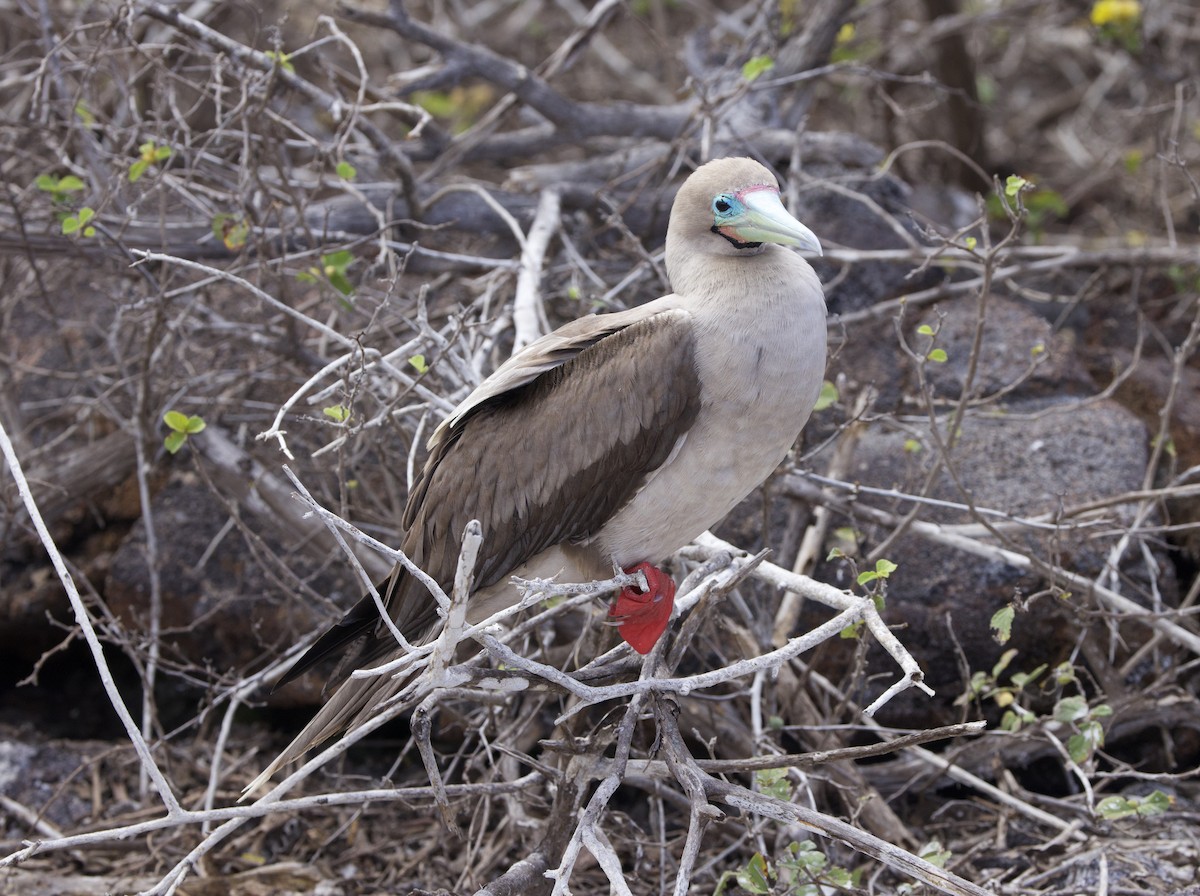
column 642, row 616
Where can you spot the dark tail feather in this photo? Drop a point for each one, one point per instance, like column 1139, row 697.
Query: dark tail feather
column 361, row 618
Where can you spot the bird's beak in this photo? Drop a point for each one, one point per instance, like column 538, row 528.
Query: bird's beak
column 765, row 220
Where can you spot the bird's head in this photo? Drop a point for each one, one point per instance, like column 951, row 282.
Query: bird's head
column 731, row 207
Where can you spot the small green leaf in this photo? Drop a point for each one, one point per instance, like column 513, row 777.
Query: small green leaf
column 346, row 171
column 912, row 446
column 137, row 169
column 230, row 230
column 1114, row 807
column 418, row 363
column 341, row 283
column 1070, row 709
column 934, row 854
column 86, row 214
column 174, row 441
column 194, row 425
column 1002, row 663
column 1020, row 679
column 755, row 876
column 338, row 413
column 827, row 397
column 971, row 243
column 282, row 59
column 851, row 632
column 937, row 356
column 757, row 66
column 1155, row 804
column 343, row 258
column 1079, row 748
column 1015, row 184
column 1064, row 673
column 1001, row 624
column 774, row 782
column 925, row 330
column 806, row 856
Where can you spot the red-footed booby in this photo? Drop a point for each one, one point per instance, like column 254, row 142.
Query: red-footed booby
column 615, row 440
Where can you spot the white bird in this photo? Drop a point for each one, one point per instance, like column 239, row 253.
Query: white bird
column 613, row 441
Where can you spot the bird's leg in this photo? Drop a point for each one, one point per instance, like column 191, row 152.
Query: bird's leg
column 642, row 616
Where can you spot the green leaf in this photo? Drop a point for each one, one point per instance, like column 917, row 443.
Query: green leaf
column 925, row 330
column 970, row 243
column 341, row 283
column 86, row 214
column 1015, row 184
column 176, row 421
column 1002, row 663
column 827, row 396
column 934, row 854
column 418, row 363
column 755, row 876
column 1001, row 624
column 937, row 356
column 1078, row 748
column 194, row 425
column 283, row 60
column 757, row 66
column 912, row 446
column 1020, row 679
column 1155, row 804
column 1114, row 807
column 338, row 413
column 137, row 169
column 1070, row 709
column 230, row 230
column 346, row 171
column 174, row 441
column 774, row 782
column 70, row 225
column 343, row 258
column 806, row 856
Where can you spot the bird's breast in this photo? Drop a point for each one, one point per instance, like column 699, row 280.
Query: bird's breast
column 761, row 366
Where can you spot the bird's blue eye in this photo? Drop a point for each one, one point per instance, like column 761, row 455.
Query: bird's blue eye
column 723, row 204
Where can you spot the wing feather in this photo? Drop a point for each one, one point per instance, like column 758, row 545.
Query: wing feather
column 547, row 459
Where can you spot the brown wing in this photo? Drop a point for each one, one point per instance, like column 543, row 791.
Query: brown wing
column 546, row 462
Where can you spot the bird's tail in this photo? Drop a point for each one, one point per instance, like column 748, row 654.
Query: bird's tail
column 356, row 700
